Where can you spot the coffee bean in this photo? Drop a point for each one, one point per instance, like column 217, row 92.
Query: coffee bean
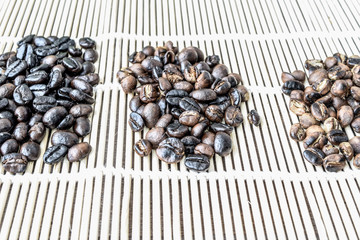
column 188, row 104
column 190, row 142
column 136, row 122
column 310, row 95
column 22, row 114
column 220, row 127
column 143, row 147
column 222, row 144
column 199, row 128
column 55, row 154
column 204, row 149
column 285, row 76
column 128, row 84
column 315, row 129
column 204, row 80
column 340, row 89
column 212, row 61
column 197, row 162
column 81, row 97
column 170, row 150
column 155, row 136
column 220, row 71
column 203, row 95
column 291, row 85
column 81, row 110
column 53, row 117
column 66, row 138
column 14, row 162
column 20, row 132
column 9, row 146
column 233, row 116
column 235, row 97
column 313, row 64
column 79, row 151
column 15, row 68
column 337, row 136
column 254, row 118
column 222, row 101
column 334, row 162
column 208, row 138
column 176, row 129
column 22, row 94
column 314, row 156
column 214, row 113
column 307, row 120
column 297, row 132
column 221, row 87
column 316, row 140
column 31, row 150
column 37, row 132
column 347, row 150
column 173, row 97
column 151, row 114
column 183, row 85
column 44, row 103
column 86, row 42
column 355, row 124
column 345, row 115
column 319, row 111
column 6, row 90
column 329, row 149
column 82, row 126
column 90, row 55
column 189, row 118
column 5, row 125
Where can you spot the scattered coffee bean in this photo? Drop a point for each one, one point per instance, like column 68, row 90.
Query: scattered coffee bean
column 297, row 132
column 329, row 149
column 254, row 118
column 55, row 154
column 334, row 162
column 14, row 162
column 171, row 150
column 222, row 144
column 197, row 162
column 31, row 150
column 78, row 151
column 314, row 156
column 143, row 147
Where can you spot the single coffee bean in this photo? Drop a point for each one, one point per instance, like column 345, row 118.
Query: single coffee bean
column 191, row 73
column 170, row 150
column 235, row 97
column 329, row 149
column 37, row 132
column 66, row 138
column 337, row 136
column 199, row 128
column 22, row 114
column 299, row 75
column 330, row 62
column 355, row 124
column 22, row 95
column 136, row 122
column 37, row 117
column 15, row 68
column 31, row 150
column 44, row 103
column 53, row 117
column 327, row 99
column 297, row 95
column 176, row 129
column 82, row 126
column 285, row 76
column 14, row 162
column 155, row 136
column 190, row 142
column 7, row 90
column 81, row 110
column 233, row 116
column 36, row 78
column 66, row 123
column 208, row 138
column 337, row 72
column 20, row 132
column 355, row 144
column 291, row 85
column 151, row 114
column 322, row 86
column 330, row 123
column 79, row 151
column 164, row 121
column 212, row 60
column 188, row 104
column 310, row 95
column 245, row 95
column 316, row 140
column 81, row 97
column 347, row 150
column 313, row 64
column 183, row 85
column 340, row 88
column 254, row 118
column 334, row 162
column 143, row 147
column 204, row 149
column 197, row 162
column 314, row 156
column 214, row 113
column 5, row 125
column 87, row 42
column 307, row 120
column 298, row 107
column 315, row 129
column 203, row 95
column 189, row 118
column 297, row 132
column 128, row 84
column 221, row 87
column 345, row 115
column 90, row 55
column 9, row 146
column 220, row 127
column 4, row 102
column 338, row 102
column 55, row 154
column 222, row 144
column 319, row 111
column 204, row 80
column 220, row 71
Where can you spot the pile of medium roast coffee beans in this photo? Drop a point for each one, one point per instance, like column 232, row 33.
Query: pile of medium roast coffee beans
column 190, row 104
column 46, row 83
column 329, row 104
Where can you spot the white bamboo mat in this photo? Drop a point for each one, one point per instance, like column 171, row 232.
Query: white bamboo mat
column 264, row 189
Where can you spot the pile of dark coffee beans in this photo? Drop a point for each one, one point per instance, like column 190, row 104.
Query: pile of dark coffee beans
column 329, row 104
column 46, row 83
column 189, row 102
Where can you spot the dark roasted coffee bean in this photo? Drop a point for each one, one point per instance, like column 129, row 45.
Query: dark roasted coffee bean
column 4, row 136
column 66, row 138
column 329, row 149
column 338, row 102
column 214, row 113
column 39, row 90
column 54, row 116
column 347, row 150
column 64, row 92
column 164, row 121
column 75, row 52
column 307, row 120
column 220, row 127
column 4, row 102
column 26, row 39
column 15, row 68
column 188, row 104
column 170, row 150
column 36, row 78
column 46, row 50
column 204, row 149
column 222, row 144
column 81, row 110
column 72, row 64
column 183, row 85
column 55, row 80
column 21, row 132
column 204, row 80
column 65, row 103
column 291, row 85
column 235, row 97
column 6, row 90
column 327, row 99
column 136, row 122
column 176, row 129
column 220, row 71
column 164, row 85
column 233, row 116
column 310, row 95
column 297, row 132
column 189, row 118
column 337, row 136
column 222, row 101
column 5, row 125
column 31, row 150
column 173, row 97
column 221, row 87
column 8, row 115
column 254, row 118
column 55, row 154
column 190, row 142
column 80, row 96
column 334, row 162
column 128, row 84
column 135, row 103
column 82, row 86
column 22, row 114
column 22, row 95
column 14, row 162
column 191, row 73
column 42, row 67
column 188, row 54
column 9, row 146
column 37, row 132
column 203, row 95
column 345, row 115
column 82, row 126
column 66, row 123
column 137, row 57
column 197, row 162
column 90, row 55
column 143, row 147
column 212, row 61
column 313, row 64
column 78, row 152
column 151, row 114
column 155, row 136
column 91, row 78
column 87, row 42
column 319, row 111
column 314, row 156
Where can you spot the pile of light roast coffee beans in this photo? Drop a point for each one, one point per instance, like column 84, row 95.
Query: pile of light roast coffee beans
column 329, row 104
column 190, row 104
column 46, row 83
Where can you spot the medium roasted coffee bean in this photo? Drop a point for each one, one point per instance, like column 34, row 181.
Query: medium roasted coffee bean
column 204, row 149
column 322, row 86
column 317, row 75
column 135, row 103
column 233, row 116
column 188, row 54
column 199, row 128
column 170, row 150
column 327, row 99
column 347, row 150
column 355, row 124
column 307, row 120
column 330, row 62
column 299, row 75
column 355, row 93
column 337, row 72
column 330, row 124
column 9, row 146
column 203, row 95
column 22, row 114
column 221, row 87
column 5, row 125
column 329, row 149
column 20, row 132
column 316, row 140
column 340, row 88
column 334, row 162
column 338, row 103
column 164, row 121
column 44, row 103
column 151, row 114
column 245, row 96
column 310, row 95
column 297, row 95
column 291, row 85
column 81, row 110
column 197, row 162
column 176, row 129
column 298, row 107
column 55, row 154
column 173, row 97
column 319, row 111
column 136, row 122
column 15, row 68
column 315, row 129
column 37, row 132
column 220, row 71
column 22, row 95
column 285, row 76
column 66, row 138
column 183, row 85
column 14, row 162
column 208, row 138
column 189, row 118
column 128, row 84
column 7, row 90
column 204, row 80
column 254, row 118
column 355, row 144
column 90, row 55
column 345, row 115
column 191, row 73
column 87, row 42
column 79, row 151
column 220, row 127
column 143, row 147
column 54, row 116
column 313, row 64
column 148, row 93
column 145, row 80
column 222, row 144
column 297, row 132
column 155, row 136
column 314, row 156
column 82, row 126
column 337, row 136
column 190, row 142
column 214, row 113
column 80, row 96
column 31, row 150
column 188, row 104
